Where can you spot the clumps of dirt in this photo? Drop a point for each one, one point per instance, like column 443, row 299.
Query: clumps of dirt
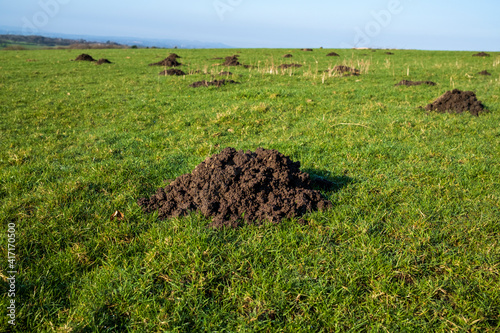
column 232, row 61
column 481, row 54
column 172, row 71
column 225, row 73
column 174, row 56
column 333, row 54
column 170, row 61
column 389, row 53
column 485, row 72
column 414, row 83
column 346, row 70
column 103, row 61
column 217, row 83
column 237, row 187
column 84, row 57
column 457, row 101
column 309, row 50
column 288, row 55
column 285, row 66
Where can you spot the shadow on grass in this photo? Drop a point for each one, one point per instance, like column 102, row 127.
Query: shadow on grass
column 323, row 181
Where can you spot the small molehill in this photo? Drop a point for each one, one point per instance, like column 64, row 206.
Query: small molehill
column 309, row 50
column 287, row 55
column 170, row 61
column 346, row 70
column 485, row 72
column 414, row 83
column 172, row 71
column 389, row 53
column 173, row 56
column 236, row 187
column 84, row 57
column 225, row 73
column 232, row 61
column 333, row 54
column 285, row 66
column 103, row 61
column 481, row 54
column 457, row 101
column 217, row 83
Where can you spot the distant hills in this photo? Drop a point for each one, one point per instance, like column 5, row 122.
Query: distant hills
column 50, row 39
column 32, row 41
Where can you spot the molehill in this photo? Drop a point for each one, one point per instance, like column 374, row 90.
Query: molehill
column 84, row 57
column 217, row 83
column 172, row 71
column 237, row 187
column 414, row 83
column 170, row 61
column 457, row 101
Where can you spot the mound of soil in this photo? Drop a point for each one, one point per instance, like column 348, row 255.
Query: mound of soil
column 285, row 66
column 103, row 61
column 346, row 70
column 225, row 73
column 287, row 55
column 457, row 101
column 307, row 50
column 236, row 187
column 414, row 83
column 217, row 83
column 333, row 54
column 232, row 61
column 84, row 57
column 170, row 61
column 172, row 71
column 481, row 54
column 389, row 53
column 484, row 73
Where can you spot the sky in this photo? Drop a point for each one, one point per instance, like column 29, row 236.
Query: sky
column 403, row 24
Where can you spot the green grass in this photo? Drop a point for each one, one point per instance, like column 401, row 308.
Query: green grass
column 411, row 243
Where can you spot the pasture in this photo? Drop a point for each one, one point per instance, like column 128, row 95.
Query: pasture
column 411, row 242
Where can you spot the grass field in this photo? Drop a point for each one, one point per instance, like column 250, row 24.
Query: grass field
column 411, row 244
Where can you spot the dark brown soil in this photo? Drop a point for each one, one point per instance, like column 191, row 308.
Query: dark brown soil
column 307, row 50
column 333, row 54
column 414, row 83
column 173, row 56
column 217, row 83
column 172, row 71
column 457, row 101
column 481, row 54
column 170, row 61
column 103, row 61
column 232, row 61
column 84, row 57
column 287, row 55
column 389, row 53
column 484, row 73
column 237, row 187
column 346, row 70
column 225, row 73
column 285, row 66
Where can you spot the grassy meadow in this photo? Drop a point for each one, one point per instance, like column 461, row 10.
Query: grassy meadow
column 411, row 243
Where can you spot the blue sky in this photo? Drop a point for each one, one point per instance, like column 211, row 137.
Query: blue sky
column 417, row 24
